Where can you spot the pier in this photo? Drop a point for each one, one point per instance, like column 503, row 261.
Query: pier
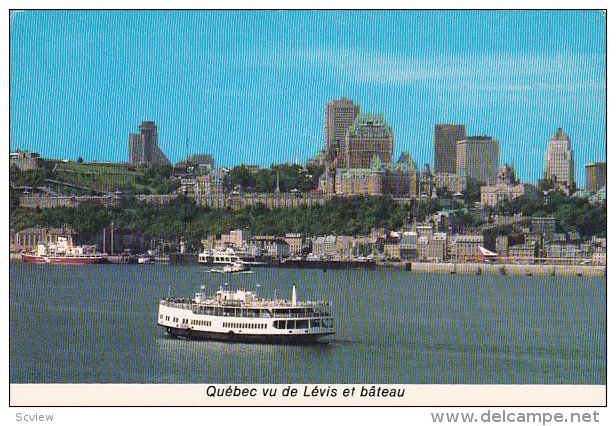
column 507, row 269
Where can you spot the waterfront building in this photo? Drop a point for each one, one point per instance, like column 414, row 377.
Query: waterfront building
column 599, row 258
column 438, row 252
column 391, row 246
column 524, row 253
column 26, row 240
column 368, row 136
column 505, row 189
column 236, row 238
column 596, row 176
column 432, row 248
column 465, row 248
column 278, row 249
column 330, row 246
column 119, row 240
column 143, row 146
column 502, row 246
column 559, row 162
column 344, row 247
column 270, row 246
column 339, row 116
column 294, row 240
column 431, row 245
column 477, row 158
column 599, row 248
column 209, row 243
column 318, row 247
column 565, row 253
column 408, row 245
column 446, row 137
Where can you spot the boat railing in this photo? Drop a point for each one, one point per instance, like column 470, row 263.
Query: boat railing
column 177, row 303
column 300, row 315
column 240, row 311
column 262, row 303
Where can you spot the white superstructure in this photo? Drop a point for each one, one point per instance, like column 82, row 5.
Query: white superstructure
column 219, row 257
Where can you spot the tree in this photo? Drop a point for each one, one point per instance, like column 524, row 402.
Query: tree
column 473, row 191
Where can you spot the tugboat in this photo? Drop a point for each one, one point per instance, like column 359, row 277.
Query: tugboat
column 243, row 316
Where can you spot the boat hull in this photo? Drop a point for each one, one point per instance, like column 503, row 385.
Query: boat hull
column 64, row 259
column 280, row 339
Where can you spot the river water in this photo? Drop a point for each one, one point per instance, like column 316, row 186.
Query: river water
column 97, row 324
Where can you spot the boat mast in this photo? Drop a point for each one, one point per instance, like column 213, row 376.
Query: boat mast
column 112, row 238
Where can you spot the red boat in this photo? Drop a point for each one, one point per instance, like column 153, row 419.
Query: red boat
column 63, row 253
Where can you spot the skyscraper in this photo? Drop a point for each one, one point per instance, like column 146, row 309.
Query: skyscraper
column 143, row 146
column 339, row 116
column 477, row 158
column 596, row 175
column 445, row 138
column 369, row 136
column 559, row 162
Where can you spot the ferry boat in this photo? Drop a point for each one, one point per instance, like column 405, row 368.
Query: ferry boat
column 226, row 257
column 242, row 316
column 62, row 252
column 219, row 257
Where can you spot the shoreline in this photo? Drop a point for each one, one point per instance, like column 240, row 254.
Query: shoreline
column 475, row 268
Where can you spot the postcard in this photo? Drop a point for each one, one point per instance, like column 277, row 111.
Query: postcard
column 309, row 208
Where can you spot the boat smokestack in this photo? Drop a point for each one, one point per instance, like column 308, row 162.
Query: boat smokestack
column 294, row 297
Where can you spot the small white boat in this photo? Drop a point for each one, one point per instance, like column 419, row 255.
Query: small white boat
column 234, row 268
column 145, row 260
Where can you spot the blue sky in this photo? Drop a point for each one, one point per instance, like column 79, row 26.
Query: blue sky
column 251, row 86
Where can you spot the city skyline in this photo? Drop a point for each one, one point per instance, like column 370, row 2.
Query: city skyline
column 80, row 81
